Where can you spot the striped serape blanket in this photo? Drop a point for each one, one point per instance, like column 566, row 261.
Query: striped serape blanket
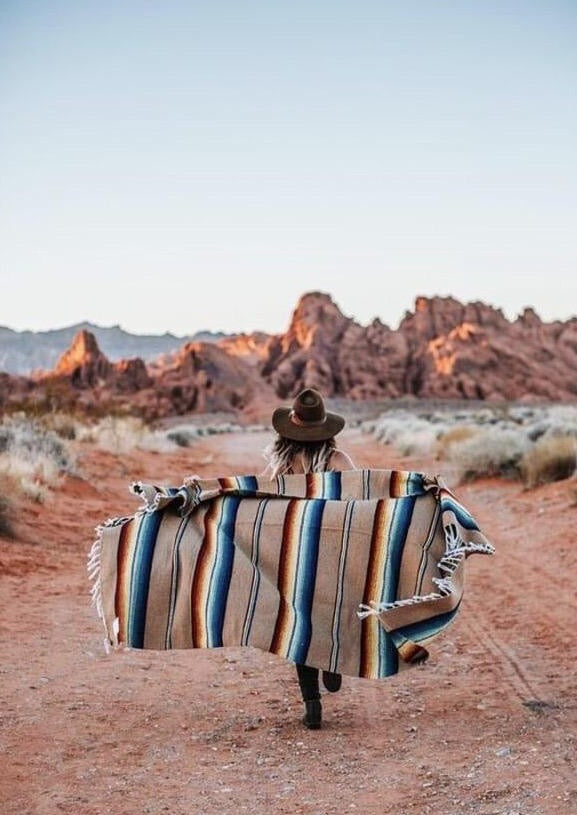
column 353, row 572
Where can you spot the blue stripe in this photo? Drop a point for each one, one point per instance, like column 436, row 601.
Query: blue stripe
column 415, row 484
column 221, row 572
column 402, row 515
column 306, row 574
column 140, row 577
column 417, row 632
column 246, row 483
column 464, row 518
column 332, row 486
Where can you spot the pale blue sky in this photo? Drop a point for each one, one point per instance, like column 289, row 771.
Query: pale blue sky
column 183, row 165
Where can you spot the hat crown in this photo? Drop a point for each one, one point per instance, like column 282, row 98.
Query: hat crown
column 308, row 407
column 307, row 420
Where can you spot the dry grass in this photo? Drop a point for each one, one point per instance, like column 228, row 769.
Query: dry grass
column 553, row 458
column 535, row 443
column 123, row 434
column 32, row 458
column 410, row 434
column 64, row 425
column 455, row 435
column 492, row 452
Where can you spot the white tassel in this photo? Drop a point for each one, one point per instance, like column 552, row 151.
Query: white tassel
column 447, row 566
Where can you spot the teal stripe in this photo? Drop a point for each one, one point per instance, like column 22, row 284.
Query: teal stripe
column 427, row 628
column 305, row 579
column 140, row 577
column 463, row 516
column 221, row 571
column 401, row 521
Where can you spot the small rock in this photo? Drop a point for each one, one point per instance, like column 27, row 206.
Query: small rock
column 503, row 752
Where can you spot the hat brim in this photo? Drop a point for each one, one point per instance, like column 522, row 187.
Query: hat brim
column 285, row 427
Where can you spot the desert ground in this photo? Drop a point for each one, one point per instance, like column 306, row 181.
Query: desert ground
column 487, row 727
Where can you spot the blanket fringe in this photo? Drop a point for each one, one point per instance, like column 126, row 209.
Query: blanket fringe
column 93, row 567
column 184, row 499
column 447, row 566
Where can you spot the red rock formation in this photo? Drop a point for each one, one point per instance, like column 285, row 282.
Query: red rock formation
column 251, row 348
column 473, row 351
column 131, row 375
column 206, row 378
column 326, row 350
column 444, row 349
column 305, row 356
column 83, row 364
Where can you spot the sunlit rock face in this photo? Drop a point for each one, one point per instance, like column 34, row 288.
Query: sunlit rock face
column 442, row 349
column 83, row 362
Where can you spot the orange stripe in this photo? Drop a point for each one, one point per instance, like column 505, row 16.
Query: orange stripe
column 201, row 578
column 398, row 484
column 125, row 557
column 373, row 589
column 314, row 482
column 228, row 482
column 286, row 576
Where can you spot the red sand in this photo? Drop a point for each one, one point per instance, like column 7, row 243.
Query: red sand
column 488, row 726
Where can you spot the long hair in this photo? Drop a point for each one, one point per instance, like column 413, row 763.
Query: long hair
column 315, row 455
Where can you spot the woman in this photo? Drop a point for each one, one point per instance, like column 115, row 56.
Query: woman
column 306, row 444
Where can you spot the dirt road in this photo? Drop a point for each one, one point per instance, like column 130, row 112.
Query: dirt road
column 487, row 727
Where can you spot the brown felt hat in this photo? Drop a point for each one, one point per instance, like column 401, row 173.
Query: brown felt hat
column 307, row 419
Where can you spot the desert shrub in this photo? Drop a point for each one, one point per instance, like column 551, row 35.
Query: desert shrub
column 558, row 420
column 183, row 435
column 495, row 452
column 63, row 424
column 417, row 442
column 217, row 429
column 454, row 435
column 32, row 456
column 121, row 434
column 552, row 458
column 486, row 440
column 113, row 433
column 30, row 441
column 408, row 433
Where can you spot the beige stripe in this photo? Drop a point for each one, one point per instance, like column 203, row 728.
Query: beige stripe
column 159, row 593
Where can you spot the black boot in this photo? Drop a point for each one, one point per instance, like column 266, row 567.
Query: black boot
column 313, row 717
column 332, row 682
column 309, row 684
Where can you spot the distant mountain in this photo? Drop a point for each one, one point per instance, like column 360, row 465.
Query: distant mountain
column 22, row 352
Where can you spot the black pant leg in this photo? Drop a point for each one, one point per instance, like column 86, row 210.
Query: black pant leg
column 309, row 682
